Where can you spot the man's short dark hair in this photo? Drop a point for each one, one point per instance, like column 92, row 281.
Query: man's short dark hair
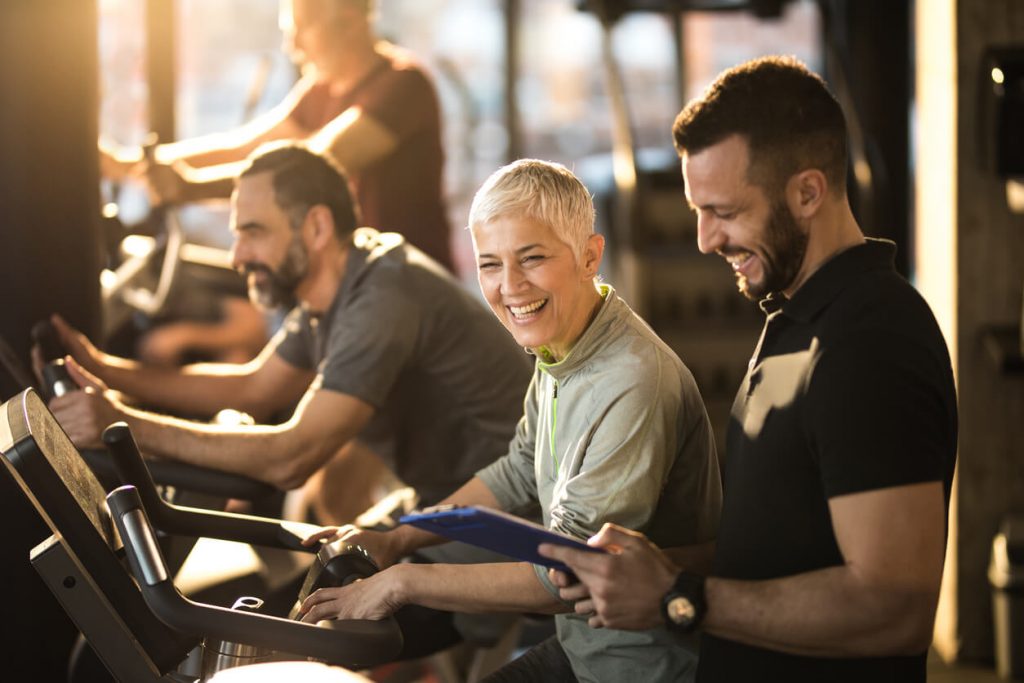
column 303, row 179
column 785, row 112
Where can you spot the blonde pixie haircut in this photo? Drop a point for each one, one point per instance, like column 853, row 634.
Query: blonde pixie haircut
column 544, row 191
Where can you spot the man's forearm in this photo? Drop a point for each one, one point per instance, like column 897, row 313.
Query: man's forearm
column 262, row 452
column 233, row 145
column 475, row 588
column 828, row 612
column 881, row 601
column 213, row 182
column 198, row 390
column 209, row 150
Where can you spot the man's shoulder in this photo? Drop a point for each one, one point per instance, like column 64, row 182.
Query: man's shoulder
column 882, row 321
column 400, row 60
column 397, row 282
column 880, row 304
column 403, row 72
column 373, row 285
column 388, row 263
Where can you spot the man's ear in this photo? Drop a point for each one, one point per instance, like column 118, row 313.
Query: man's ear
column 806, row 192
column 319, row 226
column 592, row 254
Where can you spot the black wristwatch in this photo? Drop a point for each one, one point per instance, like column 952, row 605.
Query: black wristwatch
column 684, row 605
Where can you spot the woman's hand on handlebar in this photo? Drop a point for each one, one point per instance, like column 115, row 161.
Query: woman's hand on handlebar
column 376, row 597
column 380, row 545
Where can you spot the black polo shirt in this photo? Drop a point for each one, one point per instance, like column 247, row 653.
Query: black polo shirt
column 850, row 389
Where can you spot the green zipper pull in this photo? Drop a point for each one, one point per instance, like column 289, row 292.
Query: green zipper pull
column 554, row 424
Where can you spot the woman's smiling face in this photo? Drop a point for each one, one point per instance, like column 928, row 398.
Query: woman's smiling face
column 540, row 290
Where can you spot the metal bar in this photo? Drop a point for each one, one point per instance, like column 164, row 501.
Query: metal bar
column 513, row 13
column 160, row 67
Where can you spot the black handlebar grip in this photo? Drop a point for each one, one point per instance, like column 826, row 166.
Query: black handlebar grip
column 130, row 465
column 353, row 643
column 56, row 380
column 132, row 469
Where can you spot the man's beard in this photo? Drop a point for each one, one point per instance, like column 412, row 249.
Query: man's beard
column 781, row 257
column 278, row 289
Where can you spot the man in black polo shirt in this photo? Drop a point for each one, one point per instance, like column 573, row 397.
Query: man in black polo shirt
column 842, row 440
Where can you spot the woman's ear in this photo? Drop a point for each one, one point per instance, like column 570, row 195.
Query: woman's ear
column 805, row 192
column 592, row 254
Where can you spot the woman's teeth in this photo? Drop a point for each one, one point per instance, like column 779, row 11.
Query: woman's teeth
column 521, row 311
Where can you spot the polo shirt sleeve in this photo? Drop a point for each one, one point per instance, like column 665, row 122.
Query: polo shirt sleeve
column 512, row 478
column 293, row 342
column 875, row 414
column 371, row 340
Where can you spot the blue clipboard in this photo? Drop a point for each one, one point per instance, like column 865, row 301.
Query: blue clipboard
column 494, row 530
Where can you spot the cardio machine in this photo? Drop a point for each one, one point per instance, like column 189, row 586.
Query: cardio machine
column 137, row 622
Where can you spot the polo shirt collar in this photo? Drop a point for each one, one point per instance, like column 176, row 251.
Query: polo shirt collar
column 364, row 248
column 832, row 278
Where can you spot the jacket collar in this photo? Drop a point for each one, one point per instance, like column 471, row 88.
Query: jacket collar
column 592, row 339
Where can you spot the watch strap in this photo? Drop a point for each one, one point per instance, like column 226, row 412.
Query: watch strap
column 689, row 587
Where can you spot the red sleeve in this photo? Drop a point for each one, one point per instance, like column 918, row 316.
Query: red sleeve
column 402, row 100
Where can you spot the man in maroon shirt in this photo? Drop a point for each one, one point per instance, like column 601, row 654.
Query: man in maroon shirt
column 363, row 101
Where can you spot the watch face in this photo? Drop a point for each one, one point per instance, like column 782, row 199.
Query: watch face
column 681, row 611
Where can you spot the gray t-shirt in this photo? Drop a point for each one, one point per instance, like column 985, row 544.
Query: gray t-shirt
column 446, row 380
